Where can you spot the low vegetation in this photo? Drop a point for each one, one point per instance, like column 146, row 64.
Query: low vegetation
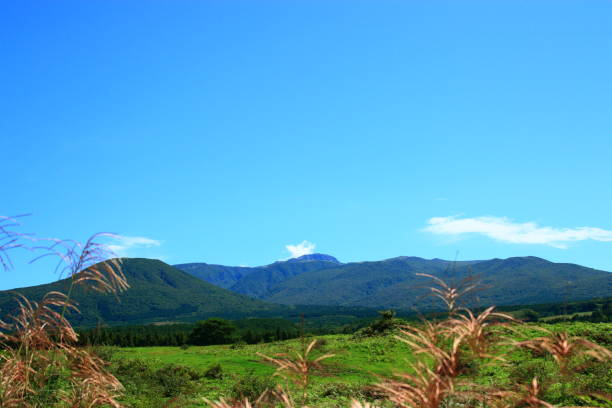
column 358, row 363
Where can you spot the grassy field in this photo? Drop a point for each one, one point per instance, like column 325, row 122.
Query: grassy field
column 356, row 365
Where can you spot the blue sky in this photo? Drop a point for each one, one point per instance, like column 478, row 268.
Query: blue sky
column 224, row 131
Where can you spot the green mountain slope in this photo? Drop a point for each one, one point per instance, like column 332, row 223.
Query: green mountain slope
column 393, row 284
column 160, row 292
column 258, row 281
column 157, row 292
column 218, row 275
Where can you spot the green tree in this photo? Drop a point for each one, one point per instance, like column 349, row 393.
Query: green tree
column 385, row 323
column 212, row 331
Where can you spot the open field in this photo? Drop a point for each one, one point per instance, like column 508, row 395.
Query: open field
column 356, row 365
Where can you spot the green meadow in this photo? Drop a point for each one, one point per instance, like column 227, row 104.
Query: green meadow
column 156, row 376
column 356, row 364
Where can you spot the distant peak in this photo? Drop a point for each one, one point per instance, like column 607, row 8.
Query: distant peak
column 520, row 259
column 315, row 257
column 405, row 258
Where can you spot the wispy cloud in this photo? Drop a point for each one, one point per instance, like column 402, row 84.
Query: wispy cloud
column 122, row 244
column 303, row 248
column 505, row 230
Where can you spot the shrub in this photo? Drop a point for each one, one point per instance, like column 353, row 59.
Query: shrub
column 177, row 380
column 386, row 323
column 251, row 386
column 104, row 352
column 529, row 368
column 214, row 372
column 133, row 369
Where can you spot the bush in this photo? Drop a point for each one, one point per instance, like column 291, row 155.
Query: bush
column 214, row 372
column 251, row 386
column 145, row 383
column 596, row 379
column 381, row 326
column 525, row 370
column 134, row 369
column 104, row 352
column 177, row 380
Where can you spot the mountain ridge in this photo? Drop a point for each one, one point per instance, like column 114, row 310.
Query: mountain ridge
column 160, row 292
column 157, row 291
column 256, row 281
column 392, row 283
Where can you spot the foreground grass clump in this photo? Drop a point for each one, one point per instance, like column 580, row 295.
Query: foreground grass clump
column 41, row 364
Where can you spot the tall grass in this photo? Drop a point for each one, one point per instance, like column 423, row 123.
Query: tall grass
column 40, row 363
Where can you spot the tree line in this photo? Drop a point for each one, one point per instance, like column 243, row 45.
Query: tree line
column 206, row 332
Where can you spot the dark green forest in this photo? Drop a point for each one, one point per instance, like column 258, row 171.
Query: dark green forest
column 263, row 330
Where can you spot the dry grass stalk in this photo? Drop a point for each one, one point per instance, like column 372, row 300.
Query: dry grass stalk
column 359, row 404
column 10, row 239
column 40, row 325
column 450, row 294
column 439, row 344
column 442, row 345
column 424, row 389
column 91, row 265
column 269, row 398
column 231, row 404
column 92, row 384
column 474, row 330
column 563, row 347
column 39, row 350
column 527, row 396
column 297, row 368
column 427, row 342
column 39, row 342
column 104, row 277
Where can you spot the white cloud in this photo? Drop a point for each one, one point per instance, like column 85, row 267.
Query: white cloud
column 122, row 244
column 505, row 230
column 303, row 248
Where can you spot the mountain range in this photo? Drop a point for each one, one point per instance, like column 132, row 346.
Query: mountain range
column 393, row 283
column 189, row 292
